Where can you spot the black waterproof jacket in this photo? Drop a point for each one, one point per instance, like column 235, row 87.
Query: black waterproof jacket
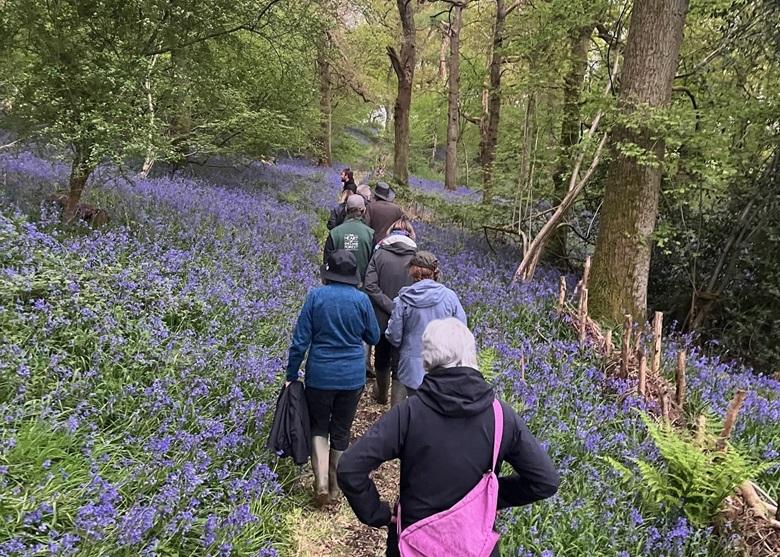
column 290, row 434
column 337, row 215
column 388, row 272
column 444, row 438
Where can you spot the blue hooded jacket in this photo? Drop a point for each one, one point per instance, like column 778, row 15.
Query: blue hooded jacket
column 413, row 308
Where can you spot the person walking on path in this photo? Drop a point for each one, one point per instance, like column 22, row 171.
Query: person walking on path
column 348, row 180
column 383, row 212
column 352, row 235
column 339, row 212
column 388, row 272
column 445, row 438
column 335, row 321
column 415, row 307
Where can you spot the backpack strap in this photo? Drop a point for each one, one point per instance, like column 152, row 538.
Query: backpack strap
column 498, row 431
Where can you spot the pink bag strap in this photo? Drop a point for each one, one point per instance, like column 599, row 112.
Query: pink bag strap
column 498, row 431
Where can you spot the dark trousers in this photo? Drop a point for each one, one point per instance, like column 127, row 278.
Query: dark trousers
column 392, row 542
column 331, row 414
column 386, row 357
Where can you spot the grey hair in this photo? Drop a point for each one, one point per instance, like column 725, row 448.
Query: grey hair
column 448, row 343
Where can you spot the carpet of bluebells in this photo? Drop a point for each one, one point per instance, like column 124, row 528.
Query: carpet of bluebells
column 139, row 364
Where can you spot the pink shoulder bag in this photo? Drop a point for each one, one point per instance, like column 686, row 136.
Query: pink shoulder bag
column 466, row 528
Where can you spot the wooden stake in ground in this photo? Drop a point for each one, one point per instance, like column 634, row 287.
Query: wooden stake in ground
column 731, row 414
column 585, row 273
column 680, row 392
column 658, row 324
column 522, row 367
column 665, row 409
column 608, row 346
column 561, row 293
column 701, row 429
column 626, row 352
column 583, row 315
column 642, row 373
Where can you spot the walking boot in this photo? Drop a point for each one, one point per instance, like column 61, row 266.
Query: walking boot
column 333, row 485
column 397, row 392
column 370, row 371
column 319, row 464
column 381, row 386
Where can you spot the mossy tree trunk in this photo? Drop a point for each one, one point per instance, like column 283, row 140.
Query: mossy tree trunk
column 621, row 261
column 579, row 40
column 403, row 65
column 453, row 100
column 80, row 170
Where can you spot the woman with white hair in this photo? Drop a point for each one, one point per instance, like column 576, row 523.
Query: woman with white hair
column 445, row 438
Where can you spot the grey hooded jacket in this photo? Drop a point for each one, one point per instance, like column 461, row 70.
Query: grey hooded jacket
column 415, row 307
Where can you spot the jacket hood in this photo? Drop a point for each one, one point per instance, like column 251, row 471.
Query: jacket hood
column 423, row 294
column 456, row 391
column 399, row 245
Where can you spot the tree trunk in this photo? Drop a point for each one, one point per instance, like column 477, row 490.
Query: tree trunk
column 453, row 101
column 443, row 49
column 326, row 105
column 151, row 156
column 81, row 168
column 579, row 40
column 621, row 261
column 492, row 106
column 403, row 65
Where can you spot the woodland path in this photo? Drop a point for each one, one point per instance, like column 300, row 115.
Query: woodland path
column 336, row 532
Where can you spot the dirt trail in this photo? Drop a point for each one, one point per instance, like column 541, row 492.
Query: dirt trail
column 336, row 532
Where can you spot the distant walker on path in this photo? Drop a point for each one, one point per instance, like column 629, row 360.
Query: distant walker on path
column 383, row 212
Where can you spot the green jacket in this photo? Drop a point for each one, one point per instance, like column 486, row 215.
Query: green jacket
column 353, row 235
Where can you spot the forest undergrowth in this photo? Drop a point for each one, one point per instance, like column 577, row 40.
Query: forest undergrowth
column 139, row 363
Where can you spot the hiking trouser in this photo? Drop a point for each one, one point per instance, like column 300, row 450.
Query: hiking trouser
column 331, row 414
column 392, row 542
column 386, row 357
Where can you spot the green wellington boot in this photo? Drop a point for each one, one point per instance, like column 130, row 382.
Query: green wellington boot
column 320, row 456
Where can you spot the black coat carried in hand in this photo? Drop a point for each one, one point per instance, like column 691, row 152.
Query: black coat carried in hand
column 444, row 439
column 290, row 435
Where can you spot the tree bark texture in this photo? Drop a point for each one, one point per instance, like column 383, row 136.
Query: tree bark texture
column 453, row 101
column 326, row 105
column 579, row 40
column 403, row 65
column 492, row 107
column 81, row 168
column 622, row 258
column 443, row 49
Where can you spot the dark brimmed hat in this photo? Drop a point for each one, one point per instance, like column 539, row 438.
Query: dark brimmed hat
column 341, row 267
column 425, row 260
column 383, row 191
